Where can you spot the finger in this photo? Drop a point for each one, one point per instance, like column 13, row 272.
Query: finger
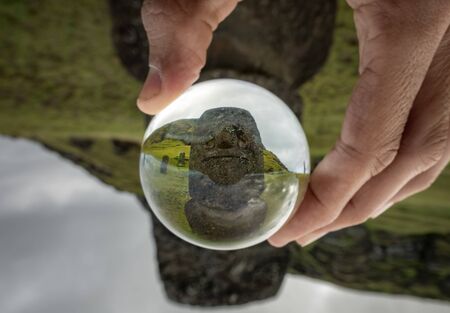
column 179, row 33
column 423, row 151
column 374, row 120
column 417, row 184
column 379, row 194
column 385, row 190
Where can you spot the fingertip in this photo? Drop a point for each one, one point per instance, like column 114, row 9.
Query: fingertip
column 276, row 243
column 149, row 98
column 311, row 238
column 145, row 107
column 160, row 89
column 151, row 106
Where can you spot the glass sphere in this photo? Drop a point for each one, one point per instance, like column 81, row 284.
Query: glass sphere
column 225, row 164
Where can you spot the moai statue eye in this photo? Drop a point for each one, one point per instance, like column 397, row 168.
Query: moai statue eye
column 242, row 142
column 242, row 139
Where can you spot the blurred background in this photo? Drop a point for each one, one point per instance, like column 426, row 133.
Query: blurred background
column 75, row 232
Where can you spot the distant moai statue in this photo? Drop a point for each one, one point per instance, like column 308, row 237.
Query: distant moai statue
column 181, row 159
column 164, row 162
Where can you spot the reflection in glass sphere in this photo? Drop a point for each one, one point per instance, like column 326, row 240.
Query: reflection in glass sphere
column 224, row 165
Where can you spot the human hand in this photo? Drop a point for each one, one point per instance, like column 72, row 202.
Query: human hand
column 179, row 33
column 395, row 137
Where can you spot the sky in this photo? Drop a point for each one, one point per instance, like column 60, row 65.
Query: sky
column 69, row 243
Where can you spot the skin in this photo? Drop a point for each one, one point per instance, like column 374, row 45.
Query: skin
column 395, row 138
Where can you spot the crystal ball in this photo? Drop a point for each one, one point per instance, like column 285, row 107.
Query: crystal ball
column 224, row 165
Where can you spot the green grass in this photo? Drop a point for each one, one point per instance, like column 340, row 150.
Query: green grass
column 60, row 78
column 59, row 73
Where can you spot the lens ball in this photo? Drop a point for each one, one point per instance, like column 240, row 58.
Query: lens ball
column 224, row 165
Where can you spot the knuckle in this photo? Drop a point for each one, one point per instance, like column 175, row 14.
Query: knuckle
column 358, row 215
column 185, row 58
column 378, row 16
column 432, row 154
column 384, row 157
column 375, row 158
column 325, row 213
column 431, row 147
column 349, row 151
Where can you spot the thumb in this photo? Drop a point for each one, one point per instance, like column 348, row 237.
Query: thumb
column 179, row 33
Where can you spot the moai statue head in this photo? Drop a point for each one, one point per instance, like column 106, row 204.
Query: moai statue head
column 226, row 175
column 226, row 145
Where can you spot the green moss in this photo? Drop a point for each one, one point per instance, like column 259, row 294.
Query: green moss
column 60, row 73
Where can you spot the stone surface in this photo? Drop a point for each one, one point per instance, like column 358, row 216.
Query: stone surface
column 284, row 39
column 286, row 93
column 196, row 276
column 226, row 146
column 226, row 175
column 359, row 258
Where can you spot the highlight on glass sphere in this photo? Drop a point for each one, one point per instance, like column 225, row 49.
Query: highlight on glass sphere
column 225, row 164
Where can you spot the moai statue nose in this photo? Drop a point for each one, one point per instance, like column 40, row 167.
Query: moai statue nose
column 225, row 139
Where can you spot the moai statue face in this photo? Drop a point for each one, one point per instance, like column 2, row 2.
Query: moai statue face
column 227, row 145
column 226, row 175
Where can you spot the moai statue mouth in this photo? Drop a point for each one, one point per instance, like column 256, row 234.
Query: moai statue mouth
column 226, row 175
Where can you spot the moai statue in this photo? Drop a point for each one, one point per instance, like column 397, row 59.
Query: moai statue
column 226, row 176
column 164, row 162
column 181, row 159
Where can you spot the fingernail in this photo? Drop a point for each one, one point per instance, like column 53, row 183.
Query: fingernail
column 381, row 210
column 152, row 85
column 276, row 244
